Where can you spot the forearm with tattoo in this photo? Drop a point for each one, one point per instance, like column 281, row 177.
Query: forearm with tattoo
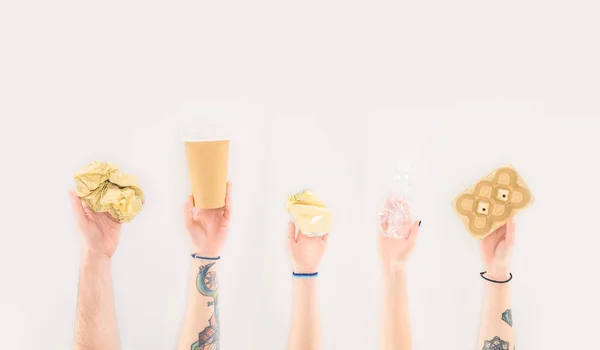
column 507, row 317
column 496, row 344
column 208, row 285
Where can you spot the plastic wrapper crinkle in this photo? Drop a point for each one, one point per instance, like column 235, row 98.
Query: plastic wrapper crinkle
column 395, row 217
column 104, row 188
column 309, row 214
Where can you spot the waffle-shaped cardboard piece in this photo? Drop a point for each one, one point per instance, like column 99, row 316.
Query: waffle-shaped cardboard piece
column 488, row 205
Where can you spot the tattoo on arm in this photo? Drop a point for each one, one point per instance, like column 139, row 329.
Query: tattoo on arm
column 208, row 285
column 496, row 344
column 507, row 317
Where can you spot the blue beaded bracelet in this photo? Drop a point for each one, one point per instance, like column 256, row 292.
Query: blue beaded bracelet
column 305, row 275
column 196, row 256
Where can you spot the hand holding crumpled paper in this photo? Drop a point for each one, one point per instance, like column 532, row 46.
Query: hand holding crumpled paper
column 104, row 188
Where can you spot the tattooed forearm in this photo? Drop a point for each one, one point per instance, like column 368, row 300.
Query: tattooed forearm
column 496, row 344
column 208, row 285
column 507, row 317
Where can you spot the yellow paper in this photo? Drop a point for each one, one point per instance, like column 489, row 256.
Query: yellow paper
column 309, row 214
column 104, row 188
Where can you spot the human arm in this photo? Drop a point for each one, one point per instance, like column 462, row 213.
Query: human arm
column 95, row 319
column 306, row 254
column 395, row 320
column 496, row 332
column 207, row 230
column 201, row 325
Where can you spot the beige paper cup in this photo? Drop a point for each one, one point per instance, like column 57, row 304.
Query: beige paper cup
column 208, row 161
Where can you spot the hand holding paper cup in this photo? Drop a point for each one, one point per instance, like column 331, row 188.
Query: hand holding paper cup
column 208, row 161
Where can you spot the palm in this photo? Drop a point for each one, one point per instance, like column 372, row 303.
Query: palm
column 496, row 248
column 491, row 244
column 102, row 232
column 208, row 228
column 395, row 248
column 306, row 252
column 398, row 249
column 99, row 232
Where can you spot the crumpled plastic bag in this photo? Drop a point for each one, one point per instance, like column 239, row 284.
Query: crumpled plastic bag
column 309, row 214
column 104, row 188
column 395, row 219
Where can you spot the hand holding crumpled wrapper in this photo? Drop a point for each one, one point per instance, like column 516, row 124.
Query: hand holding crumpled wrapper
column 310, row 215
column 104, row 188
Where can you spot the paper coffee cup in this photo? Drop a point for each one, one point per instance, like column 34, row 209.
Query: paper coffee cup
column 208, row 161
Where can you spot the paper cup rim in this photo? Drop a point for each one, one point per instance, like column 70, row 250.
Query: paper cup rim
column 206, row 139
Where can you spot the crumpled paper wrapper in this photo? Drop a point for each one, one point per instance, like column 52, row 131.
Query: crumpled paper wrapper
column 309, row 214
column 104, row 188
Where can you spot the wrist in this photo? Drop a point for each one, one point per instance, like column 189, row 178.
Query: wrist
column 200, row 261
column 498, row 273
column 393, row 267
column 204, row 252
column 305, row 270
column 305, row 275
column 88, row 255
column 305, row 282
column 204, row 257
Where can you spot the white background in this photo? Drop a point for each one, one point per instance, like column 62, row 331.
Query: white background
column 321, row 94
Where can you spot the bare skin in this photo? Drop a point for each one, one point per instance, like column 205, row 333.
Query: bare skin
column 496, row 323
column 96, row 320
column 395, row 320
column 306, row 254
column 207, row 230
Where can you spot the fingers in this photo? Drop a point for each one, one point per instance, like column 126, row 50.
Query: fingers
column 301, row 236
column 496, row 236
column 228, row 202
column 295, row 236
column 510, row 231
column 77, row 205
column 497, row 232
column 414, row 230
column 383, row 225
column 188, row 209
column 291, row 234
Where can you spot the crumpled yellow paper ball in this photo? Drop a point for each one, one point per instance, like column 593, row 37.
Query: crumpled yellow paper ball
column 104, row 188
column 309, row 214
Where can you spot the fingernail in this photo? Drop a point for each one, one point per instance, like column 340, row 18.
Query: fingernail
column 419, row 223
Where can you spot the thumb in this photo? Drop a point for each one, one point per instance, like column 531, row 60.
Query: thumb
column 414, row 231
column 292, row 233
column 510, row 232
column 77, row 206
column 188, row 209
